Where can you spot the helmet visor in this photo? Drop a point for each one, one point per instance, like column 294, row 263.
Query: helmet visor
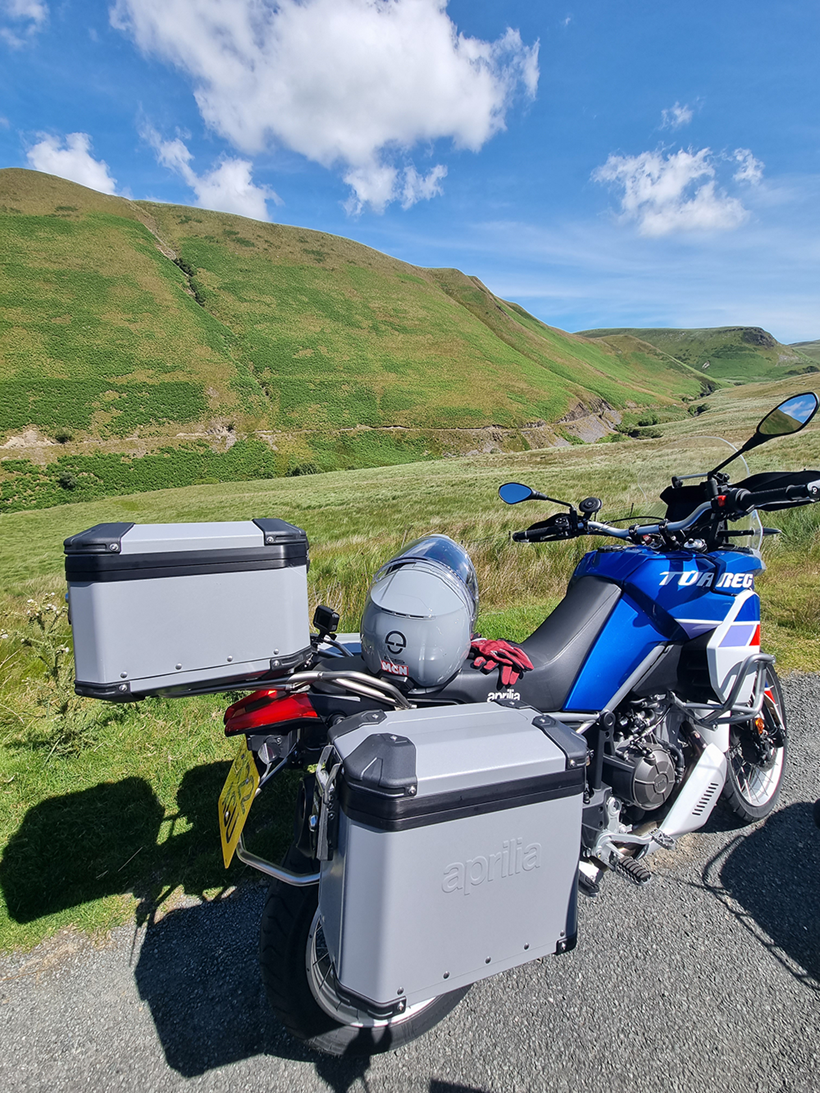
column 447, row 553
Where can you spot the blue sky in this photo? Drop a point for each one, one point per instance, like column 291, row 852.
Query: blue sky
column 602, row 163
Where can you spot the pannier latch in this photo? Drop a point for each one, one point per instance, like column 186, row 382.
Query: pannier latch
column 325, row 814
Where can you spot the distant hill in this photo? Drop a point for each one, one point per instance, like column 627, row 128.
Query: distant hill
column 808, row 349
column 735, row 354
column 134, row 329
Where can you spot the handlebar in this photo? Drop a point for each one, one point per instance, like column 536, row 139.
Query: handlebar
column 650, row 529
column 732, row 504
column 537, row 534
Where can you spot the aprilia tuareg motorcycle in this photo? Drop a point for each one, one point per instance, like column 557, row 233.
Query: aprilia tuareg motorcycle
column 458, row 793
column 438, row 840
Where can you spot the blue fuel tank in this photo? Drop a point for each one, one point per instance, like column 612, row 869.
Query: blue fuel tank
column 667, row 598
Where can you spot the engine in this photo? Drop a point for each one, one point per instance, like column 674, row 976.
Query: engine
column 645, row 761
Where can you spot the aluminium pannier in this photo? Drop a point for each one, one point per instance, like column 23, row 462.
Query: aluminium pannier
column 186, row 608
column 471, row 813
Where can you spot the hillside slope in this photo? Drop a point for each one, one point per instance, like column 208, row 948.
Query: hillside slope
column 145, row 345
column 808, row 349
column 124, row 317
column 735, row 354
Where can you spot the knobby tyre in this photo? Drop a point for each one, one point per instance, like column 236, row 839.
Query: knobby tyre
column 757, row 757
column 299, row 980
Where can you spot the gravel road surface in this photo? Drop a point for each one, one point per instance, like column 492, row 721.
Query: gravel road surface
column 709, row 979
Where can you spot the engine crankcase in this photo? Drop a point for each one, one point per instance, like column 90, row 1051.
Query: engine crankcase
column 643, row 775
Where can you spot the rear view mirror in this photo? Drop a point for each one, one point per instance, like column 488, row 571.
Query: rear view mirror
column 789, row 417
column 512, row 493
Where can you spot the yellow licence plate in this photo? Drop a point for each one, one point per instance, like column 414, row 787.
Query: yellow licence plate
column 236, row 799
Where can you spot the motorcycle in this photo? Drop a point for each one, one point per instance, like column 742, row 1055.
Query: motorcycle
column 648, row 676
column 457, row 793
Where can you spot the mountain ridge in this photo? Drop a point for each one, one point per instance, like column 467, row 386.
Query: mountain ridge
column 733, row 354
column 372, row 303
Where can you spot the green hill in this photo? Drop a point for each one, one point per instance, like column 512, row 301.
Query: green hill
column 735, row 354
column 145, row 345
column 808, row 349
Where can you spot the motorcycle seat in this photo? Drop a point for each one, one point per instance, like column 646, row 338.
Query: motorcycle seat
column 557, row 649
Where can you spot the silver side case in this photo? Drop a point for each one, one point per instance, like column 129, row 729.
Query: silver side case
column 467, row 870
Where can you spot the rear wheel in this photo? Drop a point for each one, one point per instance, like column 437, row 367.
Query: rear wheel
column 757, row 757
column 301, row 984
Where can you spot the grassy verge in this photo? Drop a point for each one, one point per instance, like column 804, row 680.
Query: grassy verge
column 109, row 812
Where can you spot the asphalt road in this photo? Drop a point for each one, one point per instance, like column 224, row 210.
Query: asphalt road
column 709, row 979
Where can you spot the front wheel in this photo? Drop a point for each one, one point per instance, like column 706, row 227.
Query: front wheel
column 301, row 987
column 757, row 757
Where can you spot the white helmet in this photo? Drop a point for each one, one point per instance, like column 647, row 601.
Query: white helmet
column 420, row 612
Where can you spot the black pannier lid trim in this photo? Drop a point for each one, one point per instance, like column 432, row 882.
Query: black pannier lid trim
column 94, row 555
column 280, row 531
column 400, row 813
column 101, row 539
column 182, row 563
column 383, row 763
column 566, row 739
column 573, row 745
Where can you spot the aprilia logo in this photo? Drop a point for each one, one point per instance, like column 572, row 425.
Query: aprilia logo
column 493, row 695
column 693, row 577
column 513, row 858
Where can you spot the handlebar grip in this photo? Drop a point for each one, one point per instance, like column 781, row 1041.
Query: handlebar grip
column 539, row 535
column 784, row 494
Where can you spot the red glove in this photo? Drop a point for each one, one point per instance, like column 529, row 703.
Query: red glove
column 511, row 659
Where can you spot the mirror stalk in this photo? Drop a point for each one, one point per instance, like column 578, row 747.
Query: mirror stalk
column 789, row 417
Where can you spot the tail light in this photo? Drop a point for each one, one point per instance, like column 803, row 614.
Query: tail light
column 266, row 709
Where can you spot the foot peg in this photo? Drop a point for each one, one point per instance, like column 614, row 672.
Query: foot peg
column 634, row 871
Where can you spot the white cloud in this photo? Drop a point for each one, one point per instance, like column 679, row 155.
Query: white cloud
column 676, row 117
column 32, row 13
column 750, row 169
column 354, row 84
column 228, row 188
column 421, row 187
column 72, row 159
column 672, row 193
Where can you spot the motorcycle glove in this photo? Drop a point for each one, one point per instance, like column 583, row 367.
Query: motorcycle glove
column 491, row 654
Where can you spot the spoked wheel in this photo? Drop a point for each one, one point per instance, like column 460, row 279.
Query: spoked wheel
column 301, row 983
column 757, row 757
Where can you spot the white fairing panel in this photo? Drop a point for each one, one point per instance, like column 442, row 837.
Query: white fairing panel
column 733, row 641
column 698, row 796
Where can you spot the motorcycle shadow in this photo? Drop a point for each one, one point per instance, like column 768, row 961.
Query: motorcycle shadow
column 770, row 881
column 198, row 972
column 114, row 839
column 198, row 966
